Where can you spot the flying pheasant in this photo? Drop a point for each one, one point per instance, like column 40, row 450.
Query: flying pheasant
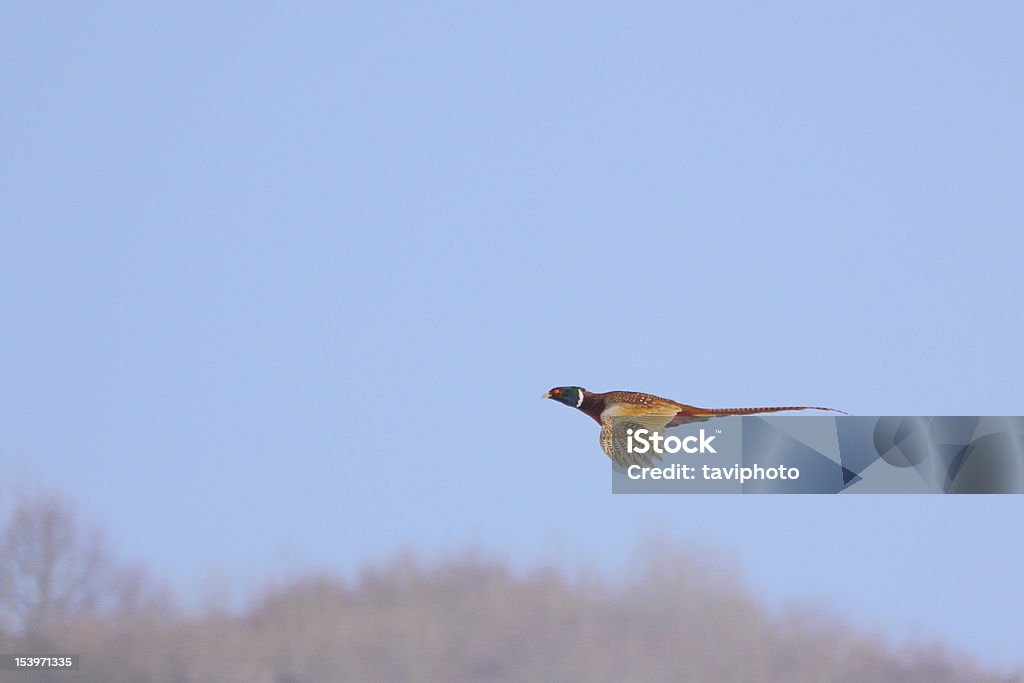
column 643, row 411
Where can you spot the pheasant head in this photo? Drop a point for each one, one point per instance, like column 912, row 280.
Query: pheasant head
column 570, row 396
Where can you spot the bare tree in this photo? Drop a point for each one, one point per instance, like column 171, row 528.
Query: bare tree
column 52, row 571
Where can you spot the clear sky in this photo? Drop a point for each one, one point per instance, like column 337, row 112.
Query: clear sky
column 281, row 283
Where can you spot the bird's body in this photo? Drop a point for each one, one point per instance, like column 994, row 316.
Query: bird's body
column 617, row 411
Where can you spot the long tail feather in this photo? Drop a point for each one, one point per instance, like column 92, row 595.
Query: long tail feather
column 721, row 412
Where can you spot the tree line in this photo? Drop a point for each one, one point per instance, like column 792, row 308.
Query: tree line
column 679, row 617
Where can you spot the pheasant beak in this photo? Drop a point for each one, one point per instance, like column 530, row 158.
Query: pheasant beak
column 547, row 394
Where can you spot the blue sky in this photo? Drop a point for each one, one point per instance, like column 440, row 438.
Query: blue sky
column 281, row 284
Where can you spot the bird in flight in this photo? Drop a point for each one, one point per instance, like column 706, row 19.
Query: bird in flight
column 618, row 411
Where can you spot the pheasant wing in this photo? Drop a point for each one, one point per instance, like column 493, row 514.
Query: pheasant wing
column 619, row 419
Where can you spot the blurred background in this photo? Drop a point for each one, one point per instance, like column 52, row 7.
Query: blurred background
column 281, row 286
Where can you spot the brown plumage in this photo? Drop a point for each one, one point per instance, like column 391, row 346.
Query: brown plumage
column 644, row 411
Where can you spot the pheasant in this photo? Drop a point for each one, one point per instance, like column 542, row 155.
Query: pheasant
column 643, row 411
